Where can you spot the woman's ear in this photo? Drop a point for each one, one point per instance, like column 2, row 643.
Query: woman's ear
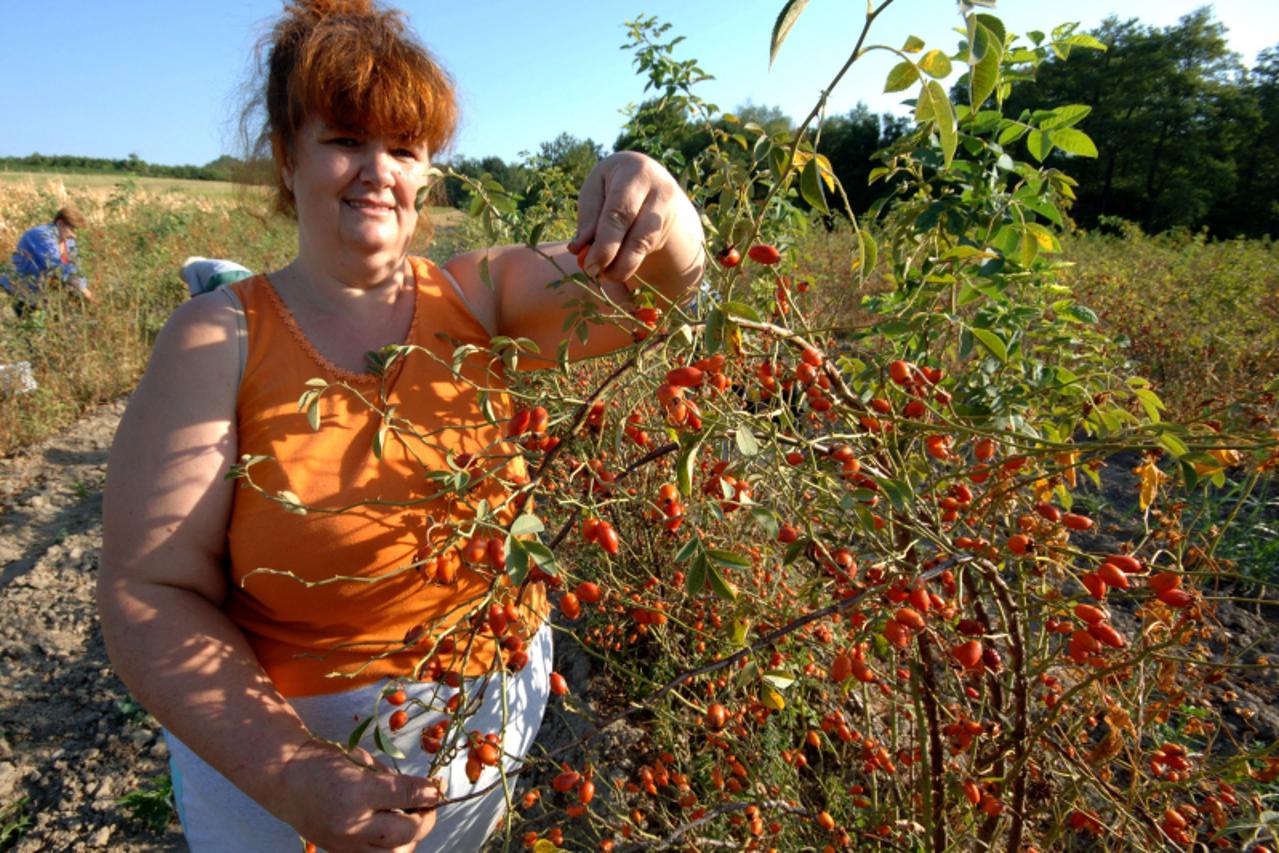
column 286, row 175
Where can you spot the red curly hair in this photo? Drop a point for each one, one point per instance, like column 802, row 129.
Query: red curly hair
column 352, row 64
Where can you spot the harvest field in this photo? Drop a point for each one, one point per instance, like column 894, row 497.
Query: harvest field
column 75, row 183
column 955, row 530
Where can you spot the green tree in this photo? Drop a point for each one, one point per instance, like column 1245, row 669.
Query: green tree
column 1254, row 206
column 575, row 157
column 1168, row 114
column 850, row 142
column 664, row 128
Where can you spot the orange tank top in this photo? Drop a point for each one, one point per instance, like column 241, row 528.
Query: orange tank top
column 327, row 599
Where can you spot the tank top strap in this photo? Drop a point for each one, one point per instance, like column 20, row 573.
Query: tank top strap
column 449, row 311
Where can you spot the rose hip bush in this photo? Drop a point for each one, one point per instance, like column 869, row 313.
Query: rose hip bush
column 836, row 576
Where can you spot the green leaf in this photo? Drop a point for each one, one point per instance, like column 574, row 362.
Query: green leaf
column 740, row 309
column 1173, row 445
column 385, row 745
column 543, row 556
column 746, row 441
column 696, row 577
column 719, row 585
column 902, row 77
column 1027, row 247
column 687, row 461
column 1012, row 133
column 1074, row 142
column 354, row 740
column 1150, row 402
column 992, row 342
column 794, row 550
column 810, row 186
column 1080, row 314
column 914, row 44
column 690, row 548
column 935, row 64
column 781, row 27
column 984, row 74
column 898, row 494
column 527, row 524
column 867, row 253
column 728, row 559
column 942, row 113
column 1046, row 210
column 1066, row 116
column 779, row 161
column 1085, row 40
column 714, row 331
column 516, row 561
column 766, row 520
column 1046, row 239
column 313, row 414
column 1039, row 144
column 535, row 235
column 379, row 439
column 779, row 679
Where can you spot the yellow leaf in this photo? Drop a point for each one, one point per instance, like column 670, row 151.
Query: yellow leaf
column 1068, row 462
column 1043, row 490
column 544, row 846
column 1227, row 457
column 772, row 699
column 826, row 171
column 1151, row 477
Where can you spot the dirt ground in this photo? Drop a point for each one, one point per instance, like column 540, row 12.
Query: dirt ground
column 72, row 743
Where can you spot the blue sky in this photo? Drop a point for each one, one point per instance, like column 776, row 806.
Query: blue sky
column 162, row 79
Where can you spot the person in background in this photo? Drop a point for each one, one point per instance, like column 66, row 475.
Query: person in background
column 204, row 275
column 47, row 253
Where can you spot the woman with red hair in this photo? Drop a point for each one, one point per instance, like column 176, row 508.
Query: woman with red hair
column 258, row 636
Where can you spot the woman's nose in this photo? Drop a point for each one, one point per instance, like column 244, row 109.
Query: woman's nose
column 380, row 167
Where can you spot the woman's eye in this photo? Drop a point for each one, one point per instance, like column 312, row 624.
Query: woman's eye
column 405, row 153
column 344, row 141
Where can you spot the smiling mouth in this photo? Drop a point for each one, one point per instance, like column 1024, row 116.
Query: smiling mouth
column 370, row 206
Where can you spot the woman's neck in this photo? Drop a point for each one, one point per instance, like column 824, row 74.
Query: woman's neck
column 344, row 320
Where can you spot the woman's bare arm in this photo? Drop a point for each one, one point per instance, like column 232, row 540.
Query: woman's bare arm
column 640, row 226
column 161, row 587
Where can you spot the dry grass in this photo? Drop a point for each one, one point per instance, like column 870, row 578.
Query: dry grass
column 138, row 232
column 135, row 239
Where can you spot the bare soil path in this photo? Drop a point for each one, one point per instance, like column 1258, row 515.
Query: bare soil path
column 71, row 741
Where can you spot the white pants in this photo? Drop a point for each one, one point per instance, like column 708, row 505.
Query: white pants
column 218, row 817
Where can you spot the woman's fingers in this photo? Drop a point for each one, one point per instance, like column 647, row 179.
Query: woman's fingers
column 409, row 793
column 642, row 238
column 589, row 201
column 623, row 213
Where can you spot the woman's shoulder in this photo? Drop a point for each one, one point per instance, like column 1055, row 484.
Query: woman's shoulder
column 203, row 330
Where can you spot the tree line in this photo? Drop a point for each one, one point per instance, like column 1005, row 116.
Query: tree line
column 224, row 168
column 1187, row 135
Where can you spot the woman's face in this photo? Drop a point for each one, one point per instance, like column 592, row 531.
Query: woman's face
column 355, row 199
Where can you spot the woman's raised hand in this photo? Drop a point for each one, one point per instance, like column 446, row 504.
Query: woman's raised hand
column 629, row 208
